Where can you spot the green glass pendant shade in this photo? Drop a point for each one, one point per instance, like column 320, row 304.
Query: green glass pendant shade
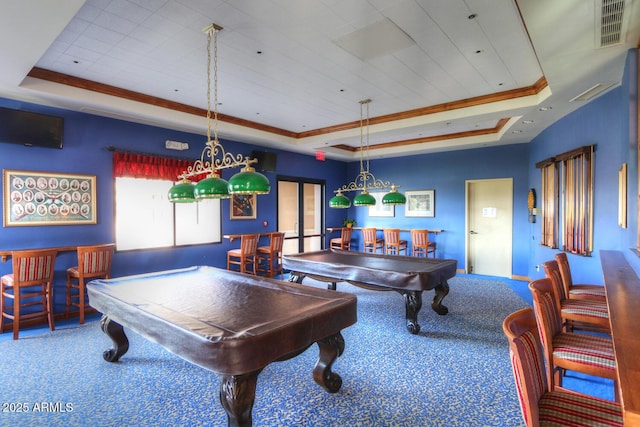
column 364, row 199
column 339, row 201
column 394, row 198
column 248, row 181
column 212, row 187
column 184, row 192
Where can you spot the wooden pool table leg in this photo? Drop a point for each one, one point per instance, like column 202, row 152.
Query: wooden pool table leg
column 441, row 291
column 413, row 304
column 330, row 349
column 237, row 394
column 120, row 342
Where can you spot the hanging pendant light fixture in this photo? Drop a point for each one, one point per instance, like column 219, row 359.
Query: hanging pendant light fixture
column 214, row 158
column 365, row 180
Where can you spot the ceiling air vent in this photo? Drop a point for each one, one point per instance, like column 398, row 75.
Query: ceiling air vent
column 611, row 22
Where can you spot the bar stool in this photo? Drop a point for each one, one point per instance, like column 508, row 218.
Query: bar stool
column 245, row 255
column 270, row 257
column 344, row 241
column 370, row 240
column 392, row 243
column 420, row 244
column 93, row 262
column 583, row 291
column 29, row 285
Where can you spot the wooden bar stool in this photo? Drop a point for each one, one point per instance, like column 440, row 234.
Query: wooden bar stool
column 94, row 262
column 370, row 240
column 270, row 257
column 245, row 255
column 582, row 291
column 344, row 241
column 30, row 284
column 420, row 244
column 392, row 243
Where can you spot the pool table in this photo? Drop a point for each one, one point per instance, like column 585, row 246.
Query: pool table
column 230, row 323
column 409, row 276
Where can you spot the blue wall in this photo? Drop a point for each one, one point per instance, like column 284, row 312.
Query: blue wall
column 86, row 138
column 609, row 122
column 447, row 174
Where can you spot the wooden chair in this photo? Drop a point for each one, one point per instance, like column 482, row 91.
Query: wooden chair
column 539, row 405
column 344, row 241
column 370, row 240
column 577, row 314
column 584, row 292
column 245, row 255
column 392, row 243
column 588, row 354
column 29, row 285
column 93, row 262
column 270, row 257
column 420, row 244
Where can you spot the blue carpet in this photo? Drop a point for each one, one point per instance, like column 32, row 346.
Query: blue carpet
column 456, row 372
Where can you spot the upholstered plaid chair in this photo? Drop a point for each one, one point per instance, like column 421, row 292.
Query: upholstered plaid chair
column 370, row 240
column 344, row 241
column 541, row 406
column 93, row 262
column 270, row 257
column 585, row 292
column 420, row 244
column 30, row 285
column 245, row 256
column 588, row 354
column 577, row 313
column 392, row 242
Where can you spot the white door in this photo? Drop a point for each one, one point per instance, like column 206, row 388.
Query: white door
column 489, row 227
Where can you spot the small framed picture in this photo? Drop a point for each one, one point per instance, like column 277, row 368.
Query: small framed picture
column 243, row 206
column 420, row 203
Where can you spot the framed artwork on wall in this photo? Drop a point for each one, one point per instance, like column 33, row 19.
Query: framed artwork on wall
column 420, row 203
column 243, row 206
column 43, row 198
column 379, row 209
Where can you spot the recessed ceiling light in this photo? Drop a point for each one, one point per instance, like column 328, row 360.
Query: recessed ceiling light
column 545, row 108
column 516, row 131
column 527, row 122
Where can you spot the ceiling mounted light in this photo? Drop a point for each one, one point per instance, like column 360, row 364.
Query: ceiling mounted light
column 365, row 179
column 214, row 158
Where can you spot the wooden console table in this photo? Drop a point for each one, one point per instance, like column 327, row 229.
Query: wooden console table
column 622, row 286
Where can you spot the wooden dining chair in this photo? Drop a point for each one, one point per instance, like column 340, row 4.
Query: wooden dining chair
column 420, row 244
column 29, row 285
column 343, row 242
column 576, row 313
column 579, row 352
column 370, row 240
column 581, row 291
column 270, row 257
column 539, row 404
column 393, row 245
column 94, row 262
column 245, row 255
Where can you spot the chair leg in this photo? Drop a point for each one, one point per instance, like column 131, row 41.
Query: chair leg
column 81, row 292
column 68, row 297
column 16, row 312
column 49, row 287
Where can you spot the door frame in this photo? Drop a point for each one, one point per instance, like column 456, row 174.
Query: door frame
column 467, row 184
column 301, row 181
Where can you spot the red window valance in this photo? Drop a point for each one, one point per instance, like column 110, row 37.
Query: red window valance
column 150, row 167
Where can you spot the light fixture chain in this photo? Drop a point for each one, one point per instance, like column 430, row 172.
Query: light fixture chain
column 215, row 84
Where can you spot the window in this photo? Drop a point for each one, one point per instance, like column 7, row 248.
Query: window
column 144, row 216
column 567, row 201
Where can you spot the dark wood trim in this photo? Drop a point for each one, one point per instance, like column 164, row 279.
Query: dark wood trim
column 65, row 79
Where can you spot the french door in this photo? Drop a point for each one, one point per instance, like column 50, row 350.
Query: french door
column 301, row 214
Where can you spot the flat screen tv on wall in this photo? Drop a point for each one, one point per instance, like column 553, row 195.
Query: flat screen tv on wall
column 30, row 129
